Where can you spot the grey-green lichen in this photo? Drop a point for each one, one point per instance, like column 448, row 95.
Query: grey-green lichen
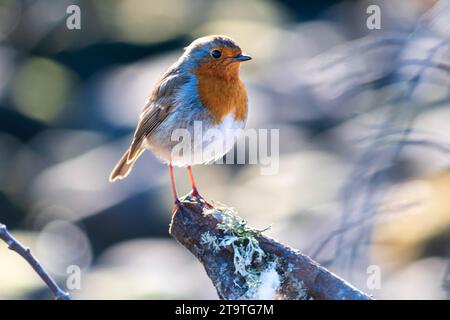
column 250, row 261
column 296, row 285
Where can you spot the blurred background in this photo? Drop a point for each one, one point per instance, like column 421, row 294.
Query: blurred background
column 364, row 119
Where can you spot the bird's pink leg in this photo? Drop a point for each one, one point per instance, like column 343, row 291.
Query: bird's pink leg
column 194, row 191
column 194, row 186
column 174, row 189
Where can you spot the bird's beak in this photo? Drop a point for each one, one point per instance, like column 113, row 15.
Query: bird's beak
column 242, row 57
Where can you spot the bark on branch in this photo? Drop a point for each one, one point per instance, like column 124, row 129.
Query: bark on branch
column 15, row 245
column 221, row 240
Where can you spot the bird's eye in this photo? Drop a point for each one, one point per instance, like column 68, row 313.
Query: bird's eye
column 216, row 54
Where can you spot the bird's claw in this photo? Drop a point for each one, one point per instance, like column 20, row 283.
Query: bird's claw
column 176, row 205
column 199, row 199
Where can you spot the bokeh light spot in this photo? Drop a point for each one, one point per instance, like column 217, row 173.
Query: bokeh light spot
column 42, row 88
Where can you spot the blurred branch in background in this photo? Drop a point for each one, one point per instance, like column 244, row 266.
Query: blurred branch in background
column 25, row 253
column 404, row 68
column 446, row 280
column 244, row 264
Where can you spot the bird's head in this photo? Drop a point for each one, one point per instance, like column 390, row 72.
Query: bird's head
column 215, row 56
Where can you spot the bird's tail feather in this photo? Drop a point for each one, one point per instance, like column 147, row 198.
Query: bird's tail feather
column 124, row 166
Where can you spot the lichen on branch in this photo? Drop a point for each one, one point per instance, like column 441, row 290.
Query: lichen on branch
column 250, row 261
column 243, row 263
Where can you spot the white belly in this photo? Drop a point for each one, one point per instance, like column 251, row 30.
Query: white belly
column 208, row 142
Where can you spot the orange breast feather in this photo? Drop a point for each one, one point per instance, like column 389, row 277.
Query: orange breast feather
column 221, row 90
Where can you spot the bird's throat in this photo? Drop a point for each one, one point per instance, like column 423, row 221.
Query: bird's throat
column 222, row 95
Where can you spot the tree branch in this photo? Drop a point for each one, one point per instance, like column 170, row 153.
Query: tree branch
column 238, row 259
column 15, row 245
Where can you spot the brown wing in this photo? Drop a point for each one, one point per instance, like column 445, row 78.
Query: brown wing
column 157, row 108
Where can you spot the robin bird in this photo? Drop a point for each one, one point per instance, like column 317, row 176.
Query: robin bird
column 202, row 86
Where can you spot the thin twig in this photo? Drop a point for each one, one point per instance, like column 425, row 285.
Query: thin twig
column 15, row 245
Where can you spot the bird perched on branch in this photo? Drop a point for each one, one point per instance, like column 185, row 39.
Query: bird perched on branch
column 200, row 98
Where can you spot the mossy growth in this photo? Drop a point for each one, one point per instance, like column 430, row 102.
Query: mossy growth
column 249, row 260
